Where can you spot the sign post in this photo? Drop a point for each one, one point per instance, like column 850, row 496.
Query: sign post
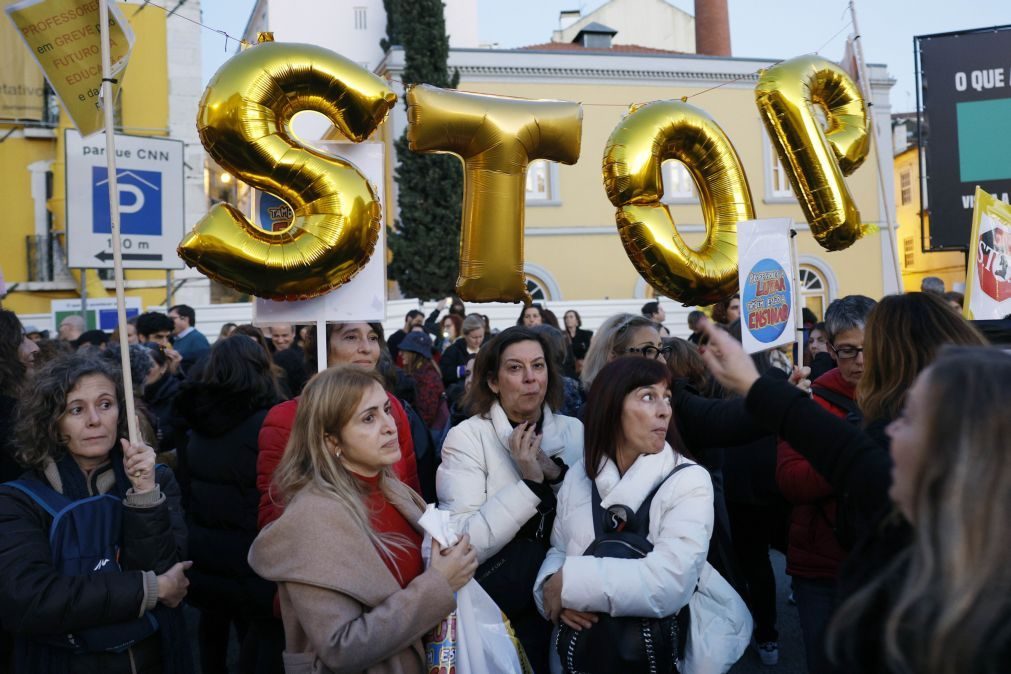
column 768, row 290
column 148, row 177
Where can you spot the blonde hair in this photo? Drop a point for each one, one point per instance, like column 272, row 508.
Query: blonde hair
column 327, row 404
column 609, row 342
column 953, row 594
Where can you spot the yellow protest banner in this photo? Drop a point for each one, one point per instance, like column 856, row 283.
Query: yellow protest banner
column 988, row 278
column 63, row 37
column 22, row 89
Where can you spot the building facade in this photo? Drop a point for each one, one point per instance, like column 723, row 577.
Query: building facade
column 572, row 247
column 915, row 260
column 160, row 90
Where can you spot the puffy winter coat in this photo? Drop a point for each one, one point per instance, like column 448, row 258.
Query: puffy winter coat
column 159, row 398
column 479, row 482
column 680, row 525
column 274, row 436
column 35, row 599
column 813, row 550
column 220, row 463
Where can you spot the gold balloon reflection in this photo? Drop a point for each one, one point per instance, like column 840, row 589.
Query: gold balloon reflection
column 243, row 122
column 817, row 158
column 496, row 137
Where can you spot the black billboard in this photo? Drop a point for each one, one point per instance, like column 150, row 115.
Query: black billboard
column 964, row 126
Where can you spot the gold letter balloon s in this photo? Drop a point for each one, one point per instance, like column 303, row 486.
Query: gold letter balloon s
column 638, row 146
column 816, row 159
column 497, row 137
column 243, row 123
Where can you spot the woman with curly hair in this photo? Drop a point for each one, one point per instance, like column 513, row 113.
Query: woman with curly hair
column 96, row 587
column 17, row 357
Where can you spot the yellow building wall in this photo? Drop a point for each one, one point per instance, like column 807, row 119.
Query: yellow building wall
column 914, row 262
column 145, row 111
column 596, row 266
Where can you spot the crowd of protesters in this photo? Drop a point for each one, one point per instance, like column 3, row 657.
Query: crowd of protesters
column 280, row 500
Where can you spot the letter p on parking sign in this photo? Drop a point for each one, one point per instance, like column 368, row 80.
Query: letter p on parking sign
column 140, row 201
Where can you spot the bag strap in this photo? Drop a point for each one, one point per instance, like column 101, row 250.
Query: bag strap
column 837, row 399
column 48, row 498
column 641, row 518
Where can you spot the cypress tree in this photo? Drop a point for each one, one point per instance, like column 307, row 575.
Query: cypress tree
column 425, row 241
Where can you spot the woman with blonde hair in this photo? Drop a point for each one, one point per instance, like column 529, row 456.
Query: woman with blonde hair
column 926, row 588
column 346, row 552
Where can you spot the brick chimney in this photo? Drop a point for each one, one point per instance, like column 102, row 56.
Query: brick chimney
column 712, row 28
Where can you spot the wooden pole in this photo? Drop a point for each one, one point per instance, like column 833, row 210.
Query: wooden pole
column 865, row 87
column 108, row 107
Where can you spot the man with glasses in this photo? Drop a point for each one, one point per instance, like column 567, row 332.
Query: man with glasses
column 814, row 550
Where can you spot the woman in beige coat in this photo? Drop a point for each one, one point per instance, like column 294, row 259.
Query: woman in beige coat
column 346, row 553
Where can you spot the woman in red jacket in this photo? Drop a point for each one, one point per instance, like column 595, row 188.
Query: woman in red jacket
column 358, row 344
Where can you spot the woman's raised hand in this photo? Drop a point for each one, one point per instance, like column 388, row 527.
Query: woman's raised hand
column 457, row 563
column 138, row 461
column 727, row 361
column 525, row 445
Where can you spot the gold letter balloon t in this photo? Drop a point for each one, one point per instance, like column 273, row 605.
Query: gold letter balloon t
column 243, row 123
column 496, row 137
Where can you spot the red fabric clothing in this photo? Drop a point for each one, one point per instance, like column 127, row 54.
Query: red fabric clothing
column 406, row 565
column 430, row 392
column 813, row 551
column 274, row 436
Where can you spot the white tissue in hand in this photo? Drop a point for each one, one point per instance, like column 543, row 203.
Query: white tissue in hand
column 437, row 523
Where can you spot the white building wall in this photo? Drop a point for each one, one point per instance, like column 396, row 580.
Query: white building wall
column 185, row 90
column 338, row 26
column 647, row 23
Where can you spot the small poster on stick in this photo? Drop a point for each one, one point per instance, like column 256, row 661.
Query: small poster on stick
column 767, row 284
column 988, row 278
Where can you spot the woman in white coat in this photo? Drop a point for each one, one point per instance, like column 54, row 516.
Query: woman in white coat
column 628, row 412
column 500, row 471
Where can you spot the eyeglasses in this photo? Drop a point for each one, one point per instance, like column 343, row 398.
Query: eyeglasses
column 650, row 351
column 846, row 352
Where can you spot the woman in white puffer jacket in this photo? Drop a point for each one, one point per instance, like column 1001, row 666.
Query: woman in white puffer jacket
column 627, row 415
column 500, row 471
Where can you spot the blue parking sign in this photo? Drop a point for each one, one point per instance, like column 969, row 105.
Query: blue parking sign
column 140, row 201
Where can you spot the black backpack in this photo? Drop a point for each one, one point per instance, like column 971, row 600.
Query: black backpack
column 85, row 539
column 624, row 644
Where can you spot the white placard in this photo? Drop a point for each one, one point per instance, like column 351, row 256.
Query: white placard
column 363, row 298
column 768, row 294
column 150, row 175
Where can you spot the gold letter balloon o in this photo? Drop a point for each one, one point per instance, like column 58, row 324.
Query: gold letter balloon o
column 816, row 159
column 243, row 123
column 638, row 146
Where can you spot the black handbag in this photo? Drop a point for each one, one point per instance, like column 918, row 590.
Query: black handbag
column 624, row 644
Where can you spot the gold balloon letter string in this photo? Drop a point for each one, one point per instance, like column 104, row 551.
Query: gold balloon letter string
column 496, row 137
column 638, row 146
column 243, row 122
column 816, row 159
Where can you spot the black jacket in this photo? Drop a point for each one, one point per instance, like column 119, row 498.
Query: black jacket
column 35, row 599
column 158, row 397
column 453, row 357
column 858, row 467
column 580, row 342
column 220, row 461
column 9, row 468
